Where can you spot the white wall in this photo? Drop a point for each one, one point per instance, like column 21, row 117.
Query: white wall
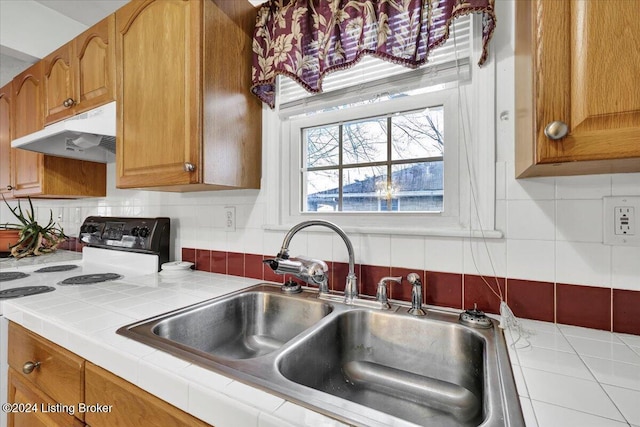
column 552, row 226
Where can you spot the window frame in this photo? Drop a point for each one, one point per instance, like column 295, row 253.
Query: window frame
column 475, row 102
column 293, row 150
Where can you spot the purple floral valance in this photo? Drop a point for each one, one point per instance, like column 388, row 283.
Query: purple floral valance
column 306, row 39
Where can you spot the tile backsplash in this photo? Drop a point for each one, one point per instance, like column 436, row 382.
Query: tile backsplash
column 551, row 263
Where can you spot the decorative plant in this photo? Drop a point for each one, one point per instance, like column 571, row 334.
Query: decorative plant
column 33, row 238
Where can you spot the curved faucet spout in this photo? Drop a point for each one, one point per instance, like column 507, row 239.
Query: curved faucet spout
column 351, row 288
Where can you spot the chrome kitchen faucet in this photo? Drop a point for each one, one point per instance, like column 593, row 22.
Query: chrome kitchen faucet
column 314, row 271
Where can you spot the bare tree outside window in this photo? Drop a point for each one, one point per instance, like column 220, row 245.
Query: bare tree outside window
column 385, row 163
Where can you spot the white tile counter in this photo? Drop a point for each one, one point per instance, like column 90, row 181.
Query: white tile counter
column 567, row 376
column 570, row 376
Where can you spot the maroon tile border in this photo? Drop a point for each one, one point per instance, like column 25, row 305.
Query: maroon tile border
column 484, row 292
column 588, row 306
column 235, row 263
column 402, row 291
column 203, row 260
column 72, row 244
column 253, row 266
column 189, row 255
column 531, row 300
column 370, row 275
column 626, row 311
column 219, row 262
column 443, row 289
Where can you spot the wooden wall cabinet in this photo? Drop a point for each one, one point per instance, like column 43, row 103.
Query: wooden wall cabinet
column 186, row 118
column 577, row 62
column 80, row 75
column 6, row 188
column 65, row 378
column 38, row 175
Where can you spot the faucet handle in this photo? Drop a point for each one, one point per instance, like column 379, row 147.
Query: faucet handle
column 414, row 279
column 381, row 295
column 416, row 294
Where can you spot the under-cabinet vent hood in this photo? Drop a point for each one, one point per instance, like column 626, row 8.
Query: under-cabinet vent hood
column 87, row 136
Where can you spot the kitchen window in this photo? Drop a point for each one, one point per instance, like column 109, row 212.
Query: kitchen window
column 384, row 148
column 387, row 163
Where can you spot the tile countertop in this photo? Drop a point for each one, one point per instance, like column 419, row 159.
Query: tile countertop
column 565, row 375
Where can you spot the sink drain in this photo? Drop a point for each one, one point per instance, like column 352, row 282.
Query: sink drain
column 475, row 318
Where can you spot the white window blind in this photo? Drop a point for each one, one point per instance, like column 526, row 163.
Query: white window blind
column 372, row 76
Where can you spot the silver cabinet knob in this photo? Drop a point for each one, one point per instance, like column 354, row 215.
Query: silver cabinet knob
column 29, row 366
column 189, row 167
column 69, row 102
column 556, row 130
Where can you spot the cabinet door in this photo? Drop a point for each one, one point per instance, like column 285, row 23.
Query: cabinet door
column 27, row 118
column 94, row 62
column 59, row 373
column 27, row 101
column 585, row 67
column 38, row 409
column 158, row 50
column 59, row 84
column 129, row 405
column 5, row 140
column 27, row 172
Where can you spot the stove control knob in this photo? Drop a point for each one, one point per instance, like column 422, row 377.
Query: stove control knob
column 135, row 231
column 89, row 228
column 144, row 232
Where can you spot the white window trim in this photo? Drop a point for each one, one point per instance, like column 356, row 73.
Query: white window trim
column 282, row 167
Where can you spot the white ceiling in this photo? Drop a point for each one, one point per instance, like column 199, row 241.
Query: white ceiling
column 31, row 29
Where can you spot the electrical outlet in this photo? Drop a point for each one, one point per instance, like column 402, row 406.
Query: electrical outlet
column 620, row 220
column 230, row 218
column 624, row 218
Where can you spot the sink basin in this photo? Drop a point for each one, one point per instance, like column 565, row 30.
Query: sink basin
column 423, row 372
column 243, row 326
column 361, row 365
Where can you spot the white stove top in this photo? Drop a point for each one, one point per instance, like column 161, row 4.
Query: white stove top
column 93, row 261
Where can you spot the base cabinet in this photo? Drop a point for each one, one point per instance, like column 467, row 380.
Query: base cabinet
column 34, row 408
column 126, row 405
column 44, row 377
column 63, row 390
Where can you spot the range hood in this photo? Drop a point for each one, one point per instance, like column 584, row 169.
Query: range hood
column 87, row 136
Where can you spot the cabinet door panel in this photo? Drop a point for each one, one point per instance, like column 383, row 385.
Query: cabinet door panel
column 605, row 70
column 577, row 62
column 5, row 141
column 586, row 48
column 27, row 118
column 158, row 120
column 95, row 64
column 27, row 101
column 130, row 405
column 21, row 391
column 27, row 172
column 58, row 84
column 60, row 373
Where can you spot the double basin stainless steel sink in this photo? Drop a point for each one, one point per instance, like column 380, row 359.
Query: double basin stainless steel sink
column 360, row 365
